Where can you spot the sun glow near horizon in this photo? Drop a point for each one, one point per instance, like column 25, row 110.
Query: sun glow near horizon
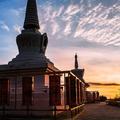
column 110, row 91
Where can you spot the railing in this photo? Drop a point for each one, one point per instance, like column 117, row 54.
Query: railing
column 29, row 113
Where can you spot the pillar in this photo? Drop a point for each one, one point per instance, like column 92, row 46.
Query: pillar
column 4, row 91
column 54, row 90
column 27, row 90
column 81, row 92
column 78, row 92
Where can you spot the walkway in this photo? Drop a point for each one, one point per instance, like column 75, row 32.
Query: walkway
column 99, row 111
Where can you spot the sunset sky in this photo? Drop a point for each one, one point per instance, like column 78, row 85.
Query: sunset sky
column 90, row 28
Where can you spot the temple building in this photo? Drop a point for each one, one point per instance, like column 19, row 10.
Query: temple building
column 80, row 74
column 30, row 84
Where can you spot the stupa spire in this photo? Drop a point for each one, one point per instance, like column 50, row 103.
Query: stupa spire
column 31, row 17
column 76, row 62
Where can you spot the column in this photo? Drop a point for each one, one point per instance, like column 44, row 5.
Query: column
column 27, row 90
column 78, row 92
column 4, row 91
column 73, row 90
column 54, row 90
column 81, row 92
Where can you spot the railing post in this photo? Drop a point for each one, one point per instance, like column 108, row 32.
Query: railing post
column 15, row 92
column 28, row 110
column 55, row 118
column 65, row 92
column 69, row 94
column 3, row 109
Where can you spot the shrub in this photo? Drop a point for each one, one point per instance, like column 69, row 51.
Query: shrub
column 103, row 98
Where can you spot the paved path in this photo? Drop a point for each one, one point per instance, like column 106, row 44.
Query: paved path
column 99, row 111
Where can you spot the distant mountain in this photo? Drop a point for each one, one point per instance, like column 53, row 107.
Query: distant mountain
column 106, row 84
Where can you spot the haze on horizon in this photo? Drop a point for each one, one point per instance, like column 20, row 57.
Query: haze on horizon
column 109, row 90
column 90, row 28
